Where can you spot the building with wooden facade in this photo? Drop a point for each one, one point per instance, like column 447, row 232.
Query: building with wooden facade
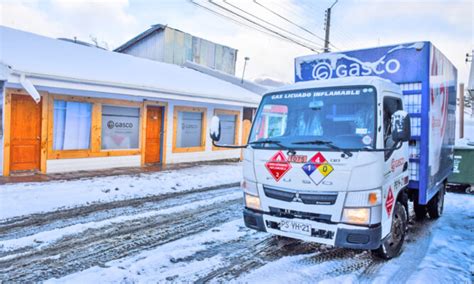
column 67, row 107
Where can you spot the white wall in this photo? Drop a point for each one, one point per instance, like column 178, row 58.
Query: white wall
column 88, row 164
column 208, row 154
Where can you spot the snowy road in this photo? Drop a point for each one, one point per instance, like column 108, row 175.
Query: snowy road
column 199, row 236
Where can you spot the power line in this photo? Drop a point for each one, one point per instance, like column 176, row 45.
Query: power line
column 267, row 22
column 289, row 21
column 270, row 33
column 262, row 20
column 238, row 22
column 264, row 27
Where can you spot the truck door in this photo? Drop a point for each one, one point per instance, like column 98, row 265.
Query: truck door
column 396, row 163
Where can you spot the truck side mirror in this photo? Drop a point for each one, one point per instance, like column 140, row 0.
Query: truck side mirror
column 401, row 129
column 215, row 130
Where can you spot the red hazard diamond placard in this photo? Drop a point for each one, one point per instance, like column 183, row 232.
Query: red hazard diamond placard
column 278, row 165
column 389, row 201
column 318, row 159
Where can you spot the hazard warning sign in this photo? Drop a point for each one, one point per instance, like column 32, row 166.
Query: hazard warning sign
column 278, row 165
column 389, row 202
column 318, row 168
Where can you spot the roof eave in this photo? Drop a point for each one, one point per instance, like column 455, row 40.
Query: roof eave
column 132, row 87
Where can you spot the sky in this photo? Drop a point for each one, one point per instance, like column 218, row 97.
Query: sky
column 354, row 24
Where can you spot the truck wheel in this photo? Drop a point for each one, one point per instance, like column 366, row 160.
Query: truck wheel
column 420, row 210
column 436, row 204
column 392, row 245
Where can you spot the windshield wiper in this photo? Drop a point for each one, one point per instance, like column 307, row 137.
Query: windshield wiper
column 326, row 143
column 275, row 142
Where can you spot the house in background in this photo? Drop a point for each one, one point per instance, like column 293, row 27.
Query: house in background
column 68, row 107
column 164, row 44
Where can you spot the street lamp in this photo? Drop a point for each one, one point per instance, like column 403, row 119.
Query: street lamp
column 243, row 72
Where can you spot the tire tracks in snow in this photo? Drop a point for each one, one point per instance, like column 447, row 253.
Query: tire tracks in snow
column 417, row 242
column 334, row 261
column 98, row 246
column 21, row 226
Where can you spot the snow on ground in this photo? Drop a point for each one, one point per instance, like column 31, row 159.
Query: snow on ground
column 47, row 237
column 27, row 198
column 164, row 263
column 444, row 253
column 439, row 251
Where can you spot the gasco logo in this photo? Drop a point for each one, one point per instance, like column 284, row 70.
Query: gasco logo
column 323, row 70
column 397, row 163
column 117, row 124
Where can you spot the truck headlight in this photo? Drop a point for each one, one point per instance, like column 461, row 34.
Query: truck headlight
column 249, row 187
column 360, row 216
column 252, row 201
column 366, row 198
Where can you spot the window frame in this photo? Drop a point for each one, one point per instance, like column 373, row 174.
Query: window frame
column 202, row 147
column 90, row 130
column 388, row 153
column 95, row 148
column 140, row 112
column 237, row 126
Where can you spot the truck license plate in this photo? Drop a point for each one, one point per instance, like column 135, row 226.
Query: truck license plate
column 295, row 227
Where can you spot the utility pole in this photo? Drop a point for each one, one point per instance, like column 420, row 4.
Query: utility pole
column 327, row 26
column 245, row 65
column 461, row 111
column 470, row 83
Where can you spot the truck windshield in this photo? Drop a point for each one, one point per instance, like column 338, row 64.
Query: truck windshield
column 343, row 116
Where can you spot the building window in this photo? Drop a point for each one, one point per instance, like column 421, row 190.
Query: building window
column 72, row 125
column 189, row 129
column 120, row 127
column 229, row 120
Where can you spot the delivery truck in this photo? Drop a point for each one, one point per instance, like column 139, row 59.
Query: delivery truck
column 336, row 157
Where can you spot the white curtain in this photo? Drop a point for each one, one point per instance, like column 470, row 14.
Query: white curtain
column 72, row 125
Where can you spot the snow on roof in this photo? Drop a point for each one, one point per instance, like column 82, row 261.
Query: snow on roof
column 45, row 57
column 246, row 84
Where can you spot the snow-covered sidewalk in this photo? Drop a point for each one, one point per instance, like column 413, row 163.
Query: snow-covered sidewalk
column 28, row 198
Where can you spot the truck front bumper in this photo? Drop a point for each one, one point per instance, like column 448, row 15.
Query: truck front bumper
column 339, row 235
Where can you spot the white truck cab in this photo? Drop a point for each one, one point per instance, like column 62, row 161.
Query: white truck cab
column 308, row 189
column 335, row 157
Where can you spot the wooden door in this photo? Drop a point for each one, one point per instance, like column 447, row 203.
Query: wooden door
column 25, row 139
column 153, row 135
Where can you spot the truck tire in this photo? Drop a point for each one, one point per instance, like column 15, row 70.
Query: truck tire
column 436, row 204
column 392, row 245
column 420, row 210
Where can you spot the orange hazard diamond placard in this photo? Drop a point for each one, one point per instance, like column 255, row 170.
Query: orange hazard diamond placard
column 278, row 165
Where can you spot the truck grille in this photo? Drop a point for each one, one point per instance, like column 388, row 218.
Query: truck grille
column 290, row 214
column 306, row 198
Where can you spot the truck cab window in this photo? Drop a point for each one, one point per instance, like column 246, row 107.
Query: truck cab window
column 272, row 122
column 390, row 106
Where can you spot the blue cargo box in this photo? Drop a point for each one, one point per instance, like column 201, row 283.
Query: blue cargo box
column 428, row 81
